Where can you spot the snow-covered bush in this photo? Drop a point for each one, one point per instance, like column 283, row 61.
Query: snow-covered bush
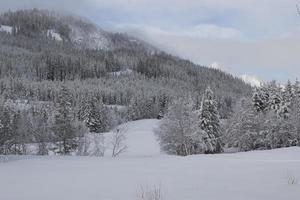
column 185, row 131
column 99, row 145
column 178, row 129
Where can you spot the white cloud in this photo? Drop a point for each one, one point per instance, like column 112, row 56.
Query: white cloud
column 216, row 65
column 252, row 80
column 212, row 31
column 239, row 56
column 249, row 36
column 200, row 31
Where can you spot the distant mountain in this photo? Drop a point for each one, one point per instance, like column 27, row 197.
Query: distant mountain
column 66, row 28
column 41, row 49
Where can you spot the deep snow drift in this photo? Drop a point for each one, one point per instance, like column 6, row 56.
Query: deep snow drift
column 259, row 175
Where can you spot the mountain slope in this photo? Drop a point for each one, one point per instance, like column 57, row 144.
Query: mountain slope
column 53, row 25
column 39, row 48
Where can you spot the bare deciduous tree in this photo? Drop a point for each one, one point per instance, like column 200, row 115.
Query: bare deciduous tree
column 118, row 142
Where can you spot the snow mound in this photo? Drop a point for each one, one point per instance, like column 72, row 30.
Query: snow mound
column 56, row 36
column 7, row 29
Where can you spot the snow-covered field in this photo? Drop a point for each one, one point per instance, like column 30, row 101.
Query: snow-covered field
column 259, row 175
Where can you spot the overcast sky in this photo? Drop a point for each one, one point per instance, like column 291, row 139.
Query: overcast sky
column 254, row 37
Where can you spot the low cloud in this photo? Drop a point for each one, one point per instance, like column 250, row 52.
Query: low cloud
column 252, row 80
column 248, row 37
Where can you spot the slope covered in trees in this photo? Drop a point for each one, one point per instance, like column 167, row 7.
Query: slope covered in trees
column 47, row 51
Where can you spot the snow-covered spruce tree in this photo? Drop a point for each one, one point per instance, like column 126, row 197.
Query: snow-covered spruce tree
column 41, row 126
column 63, row 126
column 273, row 127
column 6, row 131
column 261, row 99
column 133, row 110
column 94, row 115
column 209, row 123
column 287, row 96
column 20, row 133
column 178, row 128
column 275, row 97
column 295, row 112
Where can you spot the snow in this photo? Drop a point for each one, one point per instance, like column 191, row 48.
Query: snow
column 140, row 138
column 123, row 72
column 252, row 80
column 117, row 107
column 92, row 39
column 53, row 34
column 257, row 175
column 7, row 29
column 217, row 65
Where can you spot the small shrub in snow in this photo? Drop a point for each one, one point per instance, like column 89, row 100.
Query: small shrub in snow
column 150, row 193
column 291, row 179
column 99, row 145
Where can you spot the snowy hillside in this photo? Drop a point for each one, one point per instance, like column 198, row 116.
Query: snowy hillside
column 92, row 39
column 54, row 35
column 259, row 175
column 7, row 29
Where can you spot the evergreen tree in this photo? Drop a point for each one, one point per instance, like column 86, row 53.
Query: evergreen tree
column 63, row 123
column 275, row 94
column 6, row 131
column 41, row 127
column 94, row 115
column 261, row 99
column 210, row 123
column 288, row 95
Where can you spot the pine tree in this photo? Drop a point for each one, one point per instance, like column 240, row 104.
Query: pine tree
column 295, row 112
column 6, row 131
column 210, row 123
column 288, row 95
column 94, row 115
column 134, row 112
column 275, row 94
column 296, row 89
column 261, row 99
column 63, row 125
column 41, row 127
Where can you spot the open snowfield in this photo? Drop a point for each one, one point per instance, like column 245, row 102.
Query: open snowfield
column 259, row 175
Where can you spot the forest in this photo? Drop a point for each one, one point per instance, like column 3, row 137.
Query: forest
column 55, row 87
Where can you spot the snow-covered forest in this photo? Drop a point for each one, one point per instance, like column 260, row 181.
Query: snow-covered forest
column 79, row 96
column 54, row 91
column 57, row 82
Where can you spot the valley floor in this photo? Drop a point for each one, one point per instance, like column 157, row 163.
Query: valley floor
column 258, row 175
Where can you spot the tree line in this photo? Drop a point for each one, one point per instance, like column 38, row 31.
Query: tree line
column 43, row 81
column 268, row 120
